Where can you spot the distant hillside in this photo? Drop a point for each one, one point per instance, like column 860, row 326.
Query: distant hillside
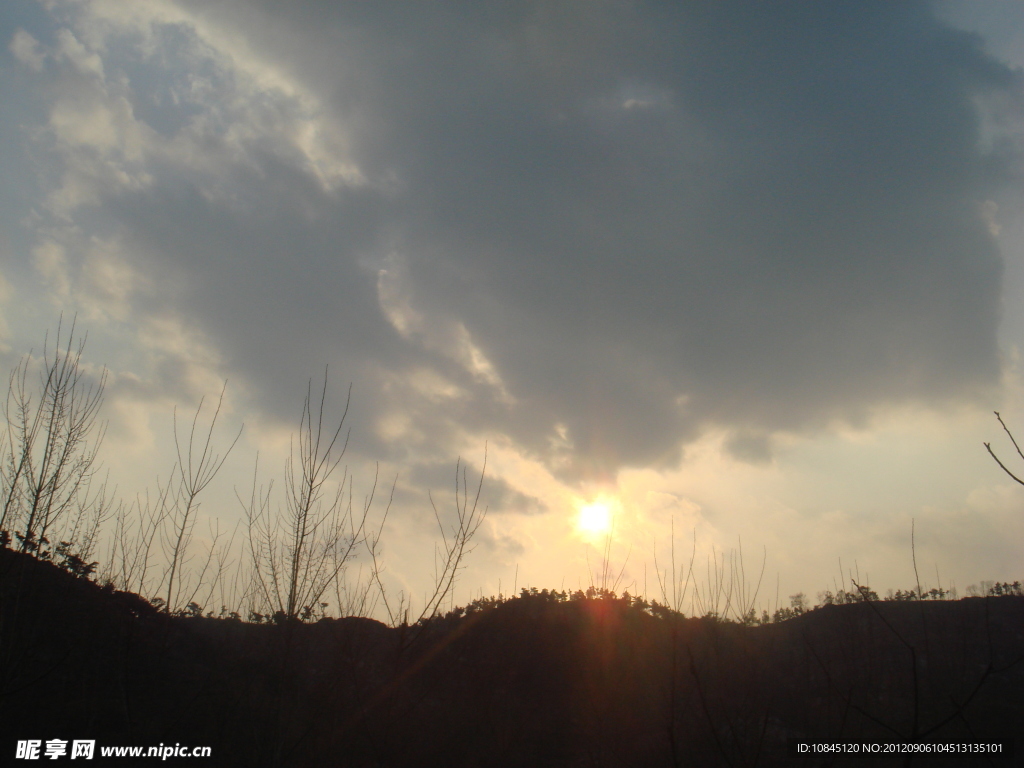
column 536, row 680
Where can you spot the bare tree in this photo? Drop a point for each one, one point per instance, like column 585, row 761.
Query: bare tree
column 165, row 522
column 130, row 546
column 449, row 553
column 301, row 551
column 51, row 446
column 675, row 588
column 195, row 470
column 605, row 580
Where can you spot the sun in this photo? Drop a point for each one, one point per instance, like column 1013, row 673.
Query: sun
column 595, row 518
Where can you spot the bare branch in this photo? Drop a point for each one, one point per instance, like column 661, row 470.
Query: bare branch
column 302, row 551
column 992, row 453
column 51, row 446
column 194, row 474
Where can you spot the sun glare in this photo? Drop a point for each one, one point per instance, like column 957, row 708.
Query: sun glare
column 595, row 518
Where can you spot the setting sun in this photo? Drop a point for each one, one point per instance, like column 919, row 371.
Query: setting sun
column 595, row 518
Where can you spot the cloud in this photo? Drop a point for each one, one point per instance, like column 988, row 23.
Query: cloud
column 597, row 232
column 85, row 61
column 497, row 496
column 752, row 447
column 27, row 50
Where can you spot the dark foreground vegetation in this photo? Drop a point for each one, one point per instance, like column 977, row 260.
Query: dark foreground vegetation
column 542, row 679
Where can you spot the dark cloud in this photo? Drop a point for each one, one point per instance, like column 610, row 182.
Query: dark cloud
column 649, row 218
column 787, row 231
column 496, row 496
column 751, row 447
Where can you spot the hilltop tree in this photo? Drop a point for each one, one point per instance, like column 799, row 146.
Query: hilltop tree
column 300, row 551
column 49, row 459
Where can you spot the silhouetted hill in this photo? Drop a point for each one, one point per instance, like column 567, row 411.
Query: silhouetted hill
column 536, row 680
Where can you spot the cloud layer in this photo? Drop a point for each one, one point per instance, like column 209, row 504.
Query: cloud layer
column 597, row 230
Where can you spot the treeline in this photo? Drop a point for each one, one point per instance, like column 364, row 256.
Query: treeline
column 798, row 602
column 73, row 564
column 293, row 560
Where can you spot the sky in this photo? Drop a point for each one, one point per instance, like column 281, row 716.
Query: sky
column 748, row 272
